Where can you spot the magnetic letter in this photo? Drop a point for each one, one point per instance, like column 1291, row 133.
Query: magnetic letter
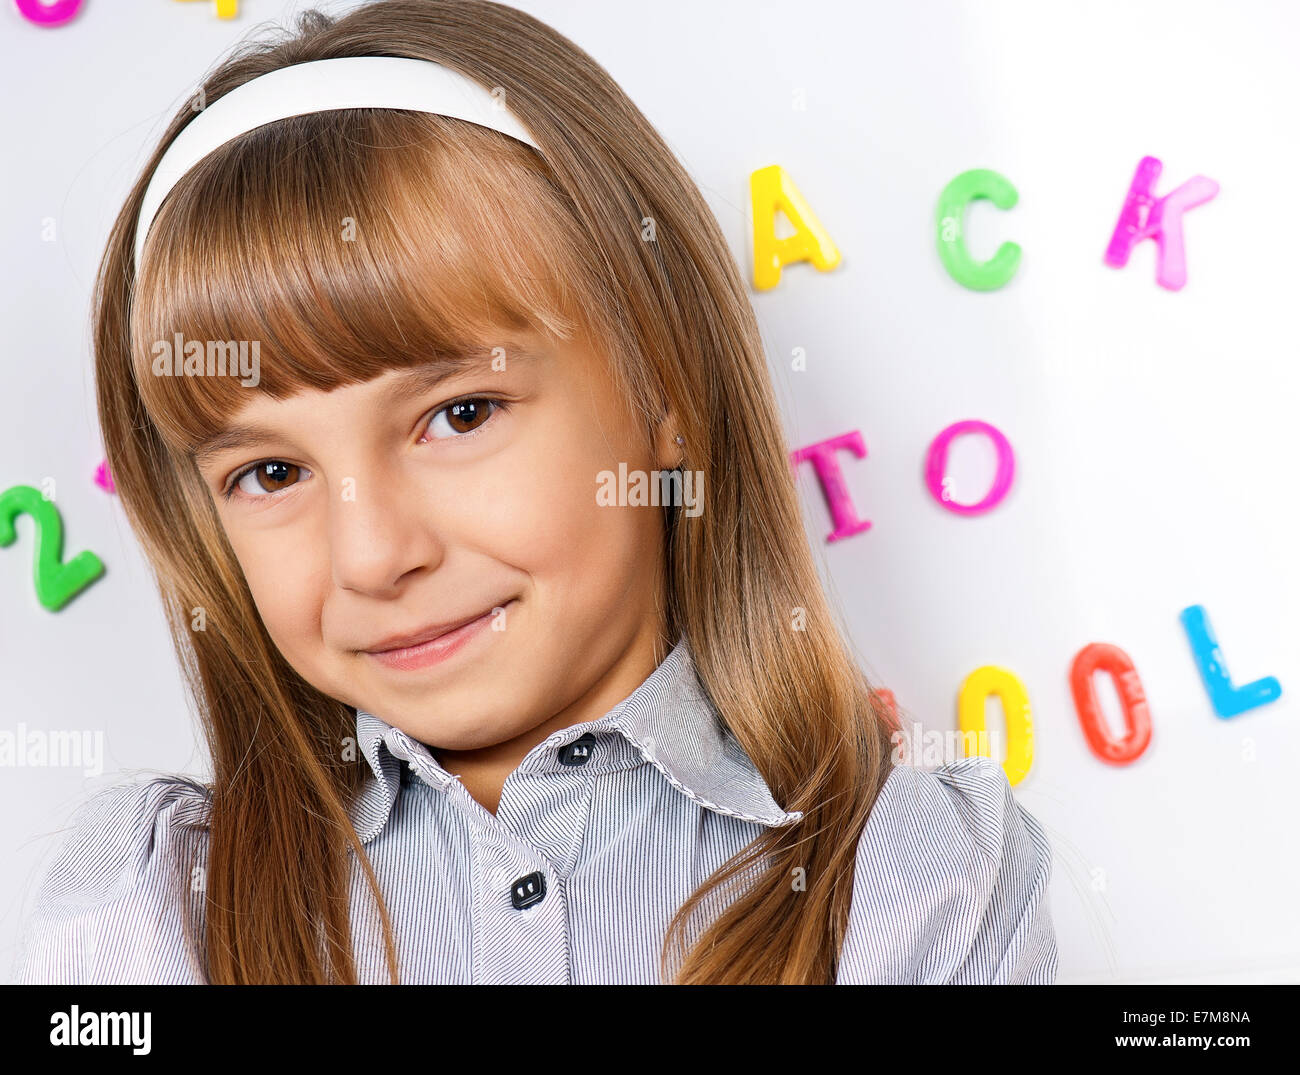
column 1128, row 684
column 54, row 13
column 936, row 465
column 822, row 455
column 771, row 189
column 950, row 222
column 104, row 478
column 1229, row 701
column 1145, row 216
column 1015, row 707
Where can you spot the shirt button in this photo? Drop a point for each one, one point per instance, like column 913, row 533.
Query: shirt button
column 529, row 889
column 577, row 752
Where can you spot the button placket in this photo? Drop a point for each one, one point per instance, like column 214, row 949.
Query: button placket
column 523, row 920
column 545, row 801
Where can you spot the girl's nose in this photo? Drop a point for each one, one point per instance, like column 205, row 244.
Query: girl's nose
column 379, row 534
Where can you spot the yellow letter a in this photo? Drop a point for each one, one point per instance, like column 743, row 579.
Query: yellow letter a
column 771, row 189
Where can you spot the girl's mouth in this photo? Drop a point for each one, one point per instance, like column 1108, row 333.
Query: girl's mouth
column 434, row 650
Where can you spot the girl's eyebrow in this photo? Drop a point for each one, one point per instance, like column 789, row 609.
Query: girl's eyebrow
column 410, row 384
column 417, row 381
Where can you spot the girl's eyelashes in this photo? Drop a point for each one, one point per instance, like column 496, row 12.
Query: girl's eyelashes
column 459, row 418
column 463, row 416
column 275, row 473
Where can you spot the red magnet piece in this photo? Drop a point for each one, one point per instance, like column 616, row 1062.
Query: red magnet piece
column 1128, row 684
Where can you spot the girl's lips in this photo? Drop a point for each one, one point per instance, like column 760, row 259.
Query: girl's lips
column 435, row 650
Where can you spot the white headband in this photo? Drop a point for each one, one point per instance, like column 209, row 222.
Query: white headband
column 322, row 86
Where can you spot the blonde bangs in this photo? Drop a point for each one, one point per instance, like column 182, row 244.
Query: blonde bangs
column 342, row 245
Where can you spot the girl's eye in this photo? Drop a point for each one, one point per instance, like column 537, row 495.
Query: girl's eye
column 463, row 416
column 454, row 420
column 262, row 479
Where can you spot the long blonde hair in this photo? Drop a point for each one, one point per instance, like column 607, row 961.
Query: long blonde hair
column 426, row 196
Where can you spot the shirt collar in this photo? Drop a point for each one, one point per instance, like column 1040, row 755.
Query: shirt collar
column 667, row 721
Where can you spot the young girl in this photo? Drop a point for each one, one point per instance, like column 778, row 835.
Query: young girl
column 481, row 706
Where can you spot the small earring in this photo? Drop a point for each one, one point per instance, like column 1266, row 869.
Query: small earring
column 681, row 439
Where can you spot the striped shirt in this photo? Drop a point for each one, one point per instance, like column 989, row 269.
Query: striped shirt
column 602, row 832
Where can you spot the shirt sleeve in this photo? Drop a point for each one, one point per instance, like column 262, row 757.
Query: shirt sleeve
column 951, row 884
column 121, row 900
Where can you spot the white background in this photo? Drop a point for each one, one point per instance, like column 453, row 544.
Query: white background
column 1152, row 429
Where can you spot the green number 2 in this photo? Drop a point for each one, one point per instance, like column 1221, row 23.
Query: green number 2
column 57, row 583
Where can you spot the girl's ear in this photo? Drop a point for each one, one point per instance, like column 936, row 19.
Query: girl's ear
column 669, row 451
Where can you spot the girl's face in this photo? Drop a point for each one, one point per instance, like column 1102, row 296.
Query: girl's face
column 392, row 508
